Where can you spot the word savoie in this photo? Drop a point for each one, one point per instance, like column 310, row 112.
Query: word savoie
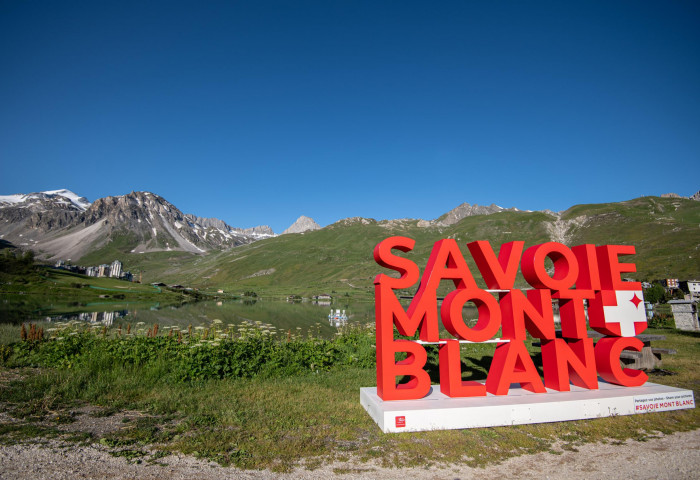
column 584, row 272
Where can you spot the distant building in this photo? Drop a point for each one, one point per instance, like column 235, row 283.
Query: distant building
column 115, row 270
column 337, row 319
column 691, row 287
column 103, row 270
column 108, row 318
column 694, row 287
column 671, row 283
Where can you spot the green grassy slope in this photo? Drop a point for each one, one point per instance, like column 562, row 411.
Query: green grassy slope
column 665, row 232
column 338, row 258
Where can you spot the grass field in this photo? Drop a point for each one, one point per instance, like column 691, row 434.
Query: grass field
column 283, row 415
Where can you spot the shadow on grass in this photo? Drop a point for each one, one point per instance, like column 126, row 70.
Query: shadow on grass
column 473, row 368
column 686, row 333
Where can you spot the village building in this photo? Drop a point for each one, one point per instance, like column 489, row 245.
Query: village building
column 115, row 270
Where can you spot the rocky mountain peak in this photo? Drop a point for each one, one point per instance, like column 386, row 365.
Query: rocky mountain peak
column 53, row 199
column 134, row 207
column 260, row 230
column 302, row 224
column 39, row 212
column 466, row 210
column 65, row 225
column 695, row 196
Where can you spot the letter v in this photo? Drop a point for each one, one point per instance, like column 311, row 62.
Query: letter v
column 498, row 273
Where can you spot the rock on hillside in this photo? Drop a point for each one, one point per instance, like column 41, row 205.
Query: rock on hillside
column 695, row 196
column 302, row 224
column 466, row 210
column 261, row 231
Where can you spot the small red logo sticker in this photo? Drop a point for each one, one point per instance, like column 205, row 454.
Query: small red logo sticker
column 400, row 421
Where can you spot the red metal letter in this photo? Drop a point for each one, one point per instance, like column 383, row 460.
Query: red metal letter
column 451, row 383
column 498, row 273
column 535, row 271
column 607, row 357
column 588, row 275
column 446, row 262
column 489, row 314
column 533, row 313
column 388, row 369
column 563, row 361
column 611, row 268
column 408, row 269
column 388, row 310
column 512, row 364
column 572, row 312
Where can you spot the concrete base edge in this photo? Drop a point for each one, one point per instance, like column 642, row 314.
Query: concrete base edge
column 440, row 412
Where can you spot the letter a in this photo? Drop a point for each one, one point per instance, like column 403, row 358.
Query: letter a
column 512, row 364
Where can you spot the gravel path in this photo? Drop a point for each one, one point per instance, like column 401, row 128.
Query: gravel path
column 674, row 456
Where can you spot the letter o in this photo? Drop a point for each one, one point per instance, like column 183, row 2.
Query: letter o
column 565, row 266
column 489, row 314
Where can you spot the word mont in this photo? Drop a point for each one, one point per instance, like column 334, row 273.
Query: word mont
column 582, row 273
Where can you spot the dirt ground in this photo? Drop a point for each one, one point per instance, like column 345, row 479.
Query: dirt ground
column 674, row 456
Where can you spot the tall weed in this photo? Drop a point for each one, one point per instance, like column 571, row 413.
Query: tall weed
column 197, row 354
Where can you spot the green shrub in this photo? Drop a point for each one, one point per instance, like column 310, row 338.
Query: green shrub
column 207, row 353
column 662, row 320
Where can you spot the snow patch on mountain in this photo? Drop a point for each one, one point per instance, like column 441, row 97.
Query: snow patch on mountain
column 62, row 196
column 80, row 202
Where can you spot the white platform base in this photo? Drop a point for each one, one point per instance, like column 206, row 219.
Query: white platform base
column 440, row 412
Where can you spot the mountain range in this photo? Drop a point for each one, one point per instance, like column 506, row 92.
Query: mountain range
column 150, row 235
column 60, row 224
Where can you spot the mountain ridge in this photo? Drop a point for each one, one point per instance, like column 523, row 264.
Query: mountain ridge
column 151, row 235
column 61, row 224
column 339, row 257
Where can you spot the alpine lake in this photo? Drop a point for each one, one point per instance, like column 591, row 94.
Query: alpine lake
column 321, row 319
column 299, row 317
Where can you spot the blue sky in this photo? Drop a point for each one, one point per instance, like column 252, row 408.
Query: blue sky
column 258, row 112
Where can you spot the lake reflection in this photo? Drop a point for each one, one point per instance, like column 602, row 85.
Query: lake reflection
column 296, row 317
column 104, row 318
column 303, row 317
